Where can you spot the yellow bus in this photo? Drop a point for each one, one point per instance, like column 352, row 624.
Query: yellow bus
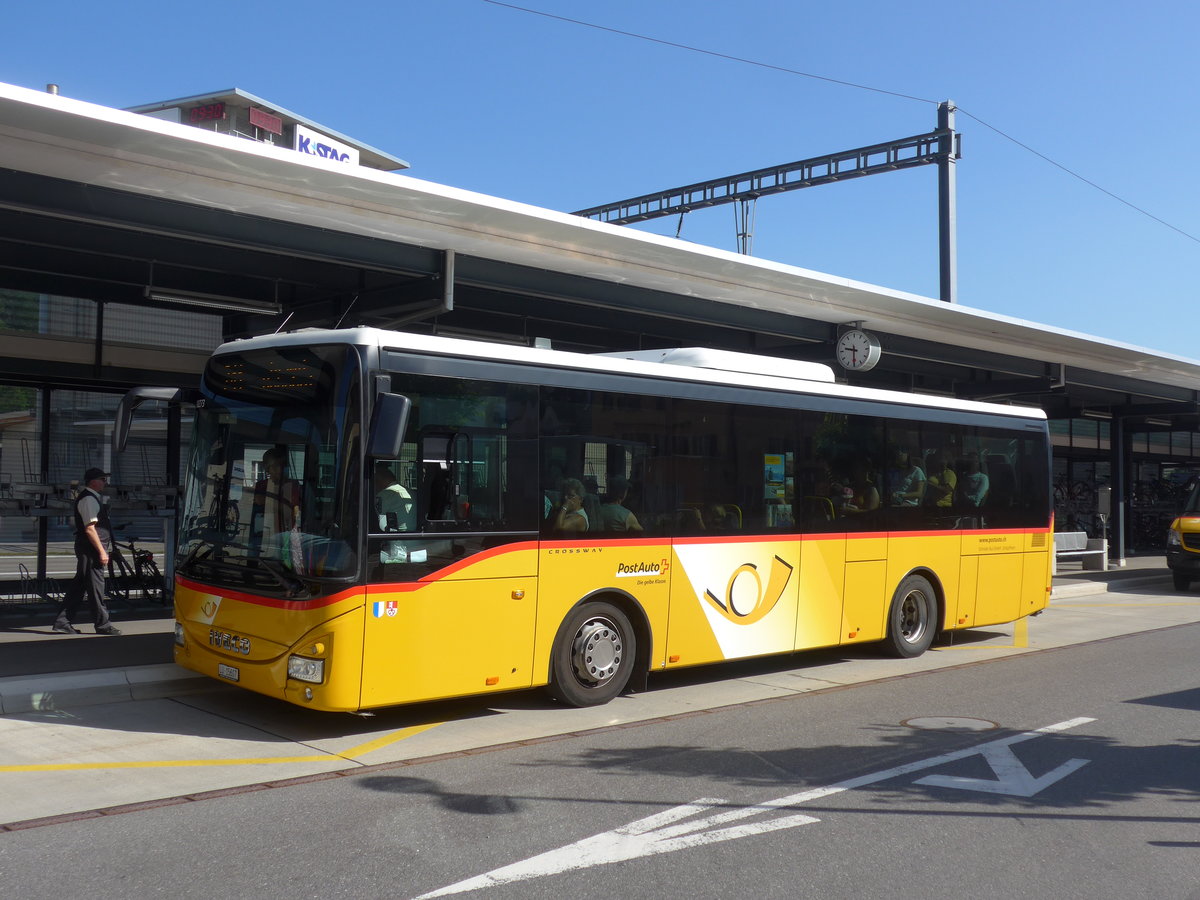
column 374, row 518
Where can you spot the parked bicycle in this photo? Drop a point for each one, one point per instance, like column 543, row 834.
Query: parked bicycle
column 136, row 576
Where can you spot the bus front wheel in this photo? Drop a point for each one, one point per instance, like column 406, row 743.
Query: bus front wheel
column 1182, row 579
column 593, row 655
column 912, row 619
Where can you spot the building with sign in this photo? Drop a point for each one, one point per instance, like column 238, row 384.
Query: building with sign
column 242, row 114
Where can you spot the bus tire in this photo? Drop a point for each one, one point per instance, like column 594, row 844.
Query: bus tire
column 1182, row 580
column 912, row 618
column 593, row 655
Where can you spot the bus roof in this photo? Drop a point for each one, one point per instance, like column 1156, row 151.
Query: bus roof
column 696, row 365
column 729, row 361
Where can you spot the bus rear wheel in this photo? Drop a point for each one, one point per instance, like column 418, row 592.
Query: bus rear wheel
column 593, row 655
column 912, row 618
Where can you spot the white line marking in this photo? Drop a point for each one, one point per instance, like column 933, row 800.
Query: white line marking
column 1012, row 777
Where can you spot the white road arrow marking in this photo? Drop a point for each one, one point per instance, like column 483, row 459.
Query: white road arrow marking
column 660, row 833
column 645, row 837
column 1012, row 777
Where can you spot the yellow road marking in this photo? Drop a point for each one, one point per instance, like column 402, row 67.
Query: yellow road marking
column 360, row 750
column 1020, row 640
column 1021, row 633
column 387, row 739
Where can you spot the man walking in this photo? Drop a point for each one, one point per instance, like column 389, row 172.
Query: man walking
column 93, row 542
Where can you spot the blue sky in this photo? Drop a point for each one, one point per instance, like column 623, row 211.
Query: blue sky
column 534, row 109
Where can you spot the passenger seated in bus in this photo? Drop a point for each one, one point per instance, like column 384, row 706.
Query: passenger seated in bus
column 614, row 516
column 906, row 480
column 393, row 503
column 864, row 496
column 718, row 517
column 396, row 511
column 972, row 481
column 940, row 481
column 275, row 510
column 570, row 517
column 711, row 517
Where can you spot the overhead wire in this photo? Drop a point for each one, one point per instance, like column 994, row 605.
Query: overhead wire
column 718, row 55
column 1075, row 174
column 851, row 84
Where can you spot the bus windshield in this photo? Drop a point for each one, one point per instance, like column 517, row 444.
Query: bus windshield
column 273, row 486
column 1191, row 505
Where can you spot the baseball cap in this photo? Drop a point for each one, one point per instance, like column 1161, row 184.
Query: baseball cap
column 94, row 473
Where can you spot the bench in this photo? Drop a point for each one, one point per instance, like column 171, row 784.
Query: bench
column 1092, row 552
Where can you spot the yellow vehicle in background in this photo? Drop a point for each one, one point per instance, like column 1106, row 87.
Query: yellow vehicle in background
column 1183, row 542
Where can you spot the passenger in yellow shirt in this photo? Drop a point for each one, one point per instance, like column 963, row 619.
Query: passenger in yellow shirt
column 940, row 481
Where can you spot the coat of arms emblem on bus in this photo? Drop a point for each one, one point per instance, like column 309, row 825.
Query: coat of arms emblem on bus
column 746, row 601
column 389, row 608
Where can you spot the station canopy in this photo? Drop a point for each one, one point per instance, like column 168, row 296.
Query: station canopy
column 115, row 207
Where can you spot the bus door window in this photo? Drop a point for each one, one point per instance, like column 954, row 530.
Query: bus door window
column 445, row 476
column 467, row 464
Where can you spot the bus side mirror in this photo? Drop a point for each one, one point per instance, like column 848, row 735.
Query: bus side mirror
column 389, row 421
column 132, row 400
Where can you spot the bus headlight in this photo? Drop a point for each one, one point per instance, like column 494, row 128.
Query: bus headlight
column 178, row 634
column 302, row 668
column 1173, row 538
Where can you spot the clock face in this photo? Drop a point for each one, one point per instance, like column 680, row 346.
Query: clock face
column 857, row 350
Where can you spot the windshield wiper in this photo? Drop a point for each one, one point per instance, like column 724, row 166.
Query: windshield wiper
column 290, row 583
column 194, row 555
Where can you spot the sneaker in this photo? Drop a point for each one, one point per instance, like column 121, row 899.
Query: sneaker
column 108, row 629
column 64, row 628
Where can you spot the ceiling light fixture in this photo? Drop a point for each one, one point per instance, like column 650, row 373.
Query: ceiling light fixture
column 214, row 301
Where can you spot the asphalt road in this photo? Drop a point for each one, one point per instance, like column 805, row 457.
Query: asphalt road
column 1066, row 773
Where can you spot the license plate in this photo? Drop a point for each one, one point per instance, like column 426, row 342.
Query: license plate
column 229, row 672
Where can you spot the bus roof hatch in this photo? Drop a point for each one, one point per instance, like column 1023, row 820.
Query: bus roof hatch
column 729, row 361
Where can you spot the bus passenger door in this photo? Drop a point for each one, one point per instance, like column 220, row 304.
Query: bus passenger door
column 996, row 562
column 822, row 564
column 864, row 605
column 467, row 627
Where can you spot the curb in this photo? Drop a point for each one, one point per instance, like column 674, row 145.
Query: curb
column 43, row 693
column 1084, row 588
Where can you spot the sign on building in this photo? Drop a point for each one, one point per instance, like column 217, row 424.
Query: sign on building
column 316, row 144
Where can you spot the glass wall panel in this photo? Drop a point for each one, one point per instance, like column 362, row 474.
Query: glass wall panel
column 21, row 491
column 164, row 328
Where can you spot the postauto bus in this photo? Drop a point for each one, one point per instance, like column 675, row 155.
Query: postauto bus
column 373, row 518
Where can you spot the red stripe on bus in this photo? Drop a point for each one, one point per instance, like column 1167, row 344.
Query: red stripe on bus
column 276, row 603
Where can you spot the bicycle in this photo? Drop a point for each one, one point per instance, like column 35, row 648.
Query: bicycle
column 142, row 577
